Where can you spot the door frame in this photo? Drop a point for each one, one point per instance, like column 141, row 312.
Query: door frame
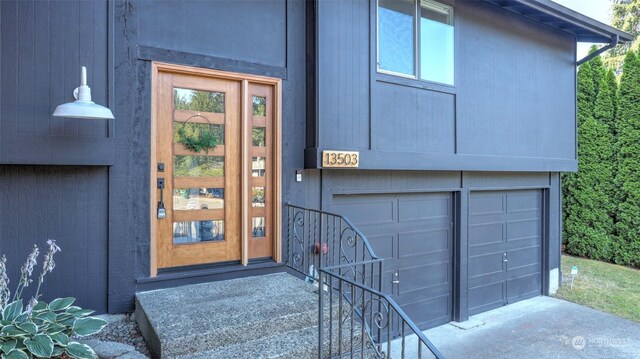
column 244, row 79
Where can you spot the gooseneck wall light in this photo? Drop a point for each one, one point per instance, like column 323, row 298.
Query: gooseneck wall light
column 83, row 107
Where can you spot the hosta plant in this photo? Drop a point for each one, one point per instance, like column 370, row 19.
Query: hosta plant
column 40, row 329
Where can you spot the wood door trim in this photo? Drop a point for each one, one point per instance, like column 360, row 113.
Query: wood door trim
column 187, row 70
column 277, row 213
column 153, row 247
column 156, row 68
column 246, row 146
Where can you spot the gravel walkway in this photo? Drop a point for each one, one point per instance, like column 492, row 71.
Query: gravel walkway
column 123, row 329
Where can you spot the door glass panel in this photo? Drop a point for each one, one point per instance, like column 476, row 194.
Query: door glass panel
column 257, row 196
column 259, row 139
column 182, row 131
column 259, row 106
column 198, row 166
column 258, row 227
column 198, row 231
column 258, row 167
column 198, row 198
column 196, row 100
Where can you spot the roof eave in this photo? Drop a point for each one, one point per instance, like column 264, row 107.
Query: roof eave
column 562, row 18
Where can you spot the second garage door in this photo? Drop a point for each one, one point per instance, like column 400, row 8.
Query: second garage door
column 414, row 233
column 505, row 248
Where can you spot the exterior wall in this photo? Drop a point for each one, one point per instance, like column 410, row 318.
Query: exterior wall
column 495, row 117
column 338, row 182
column 99, row 205
column 65, row 203
column 43, row 46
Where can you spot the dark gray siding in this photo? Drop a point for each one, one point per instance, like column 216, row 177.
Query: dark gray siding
column 515, row 85
column 512, row 107
column 68, row 204
column 43, row 46
column 343, row 73
column 251, row 31
column 418, row 121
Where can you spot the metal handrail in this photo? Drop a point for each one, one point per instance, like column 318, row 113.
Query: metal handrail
column 312, row 231
column 347, row 221
column 396, row 307
column 315, row 227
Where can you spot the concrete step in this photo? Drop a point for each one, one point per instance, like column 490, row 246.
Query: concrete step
column 187, row 320
column 297, row 344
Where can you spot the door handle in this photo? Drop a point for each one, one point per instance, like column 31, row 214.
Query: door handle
column 162, row 212
column 396, row 280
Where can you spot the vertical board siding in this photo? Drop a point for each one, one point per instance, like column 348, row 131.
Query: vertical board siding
column 44, row 44
column 514, row 93
column 408, row 119
column 515, row 83
column 42, row 47
column 68, row 204
column 343, row 74
column 252, row 31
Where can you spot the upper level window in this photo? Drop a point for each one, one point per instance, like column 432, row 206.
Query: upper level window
column 415, row 39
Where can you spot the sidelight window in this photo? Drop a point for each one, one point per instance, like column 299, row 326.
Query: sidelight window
column 416, row 39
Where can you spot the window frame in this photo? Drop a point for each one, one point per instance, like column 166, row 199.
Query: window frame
column 434, row 6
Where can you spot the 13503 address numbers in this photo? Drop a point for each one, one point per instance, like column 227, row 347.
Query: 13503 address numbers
column 340, row 158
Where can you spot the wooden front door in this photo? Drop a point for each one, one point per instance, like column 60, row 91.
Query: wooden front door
column 213, row 172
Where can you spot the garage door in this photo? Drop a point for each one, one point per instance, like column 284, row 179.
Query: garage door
column 505, row 248
column 414, row 233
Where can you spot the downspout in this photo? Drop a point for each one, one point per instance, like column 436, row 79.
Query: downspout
column 615, row 39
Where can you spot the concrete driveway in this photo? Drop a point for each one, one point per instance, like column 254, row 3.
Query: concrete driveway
column 542, row 327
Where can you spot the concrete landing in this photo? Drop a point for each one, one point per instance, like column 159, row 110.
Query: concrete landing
column 216, row 320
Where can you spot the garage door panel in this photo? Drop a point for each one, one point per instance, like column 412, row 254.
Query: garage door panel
column 414, row 234
column 430, row 312
column 519, row 201
column 363, row 210
column 526, row 242
column 487, row 203
column 421, row 207
column 384, row 245
column 481, row 234
column 524, row 257
column 424, row 242
column 486, row 297
column 516, row 232
column 425, row 276
column 523, row 228
column 482, row 265
column 523, row 287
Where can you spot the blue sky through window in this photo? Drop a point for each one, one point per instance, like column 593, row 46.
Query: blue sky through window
column 395, row 42
column 436, row 51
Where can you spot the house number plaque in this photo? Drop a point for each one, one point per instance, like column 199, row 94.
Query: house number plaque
column 340, row 158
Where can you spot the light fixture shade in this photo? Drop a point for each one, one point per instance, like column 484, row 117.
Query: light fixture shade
column 83, row 107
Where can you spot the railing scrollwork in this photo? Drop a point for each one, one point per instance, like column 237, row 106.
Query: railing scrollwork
column 356, row 318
